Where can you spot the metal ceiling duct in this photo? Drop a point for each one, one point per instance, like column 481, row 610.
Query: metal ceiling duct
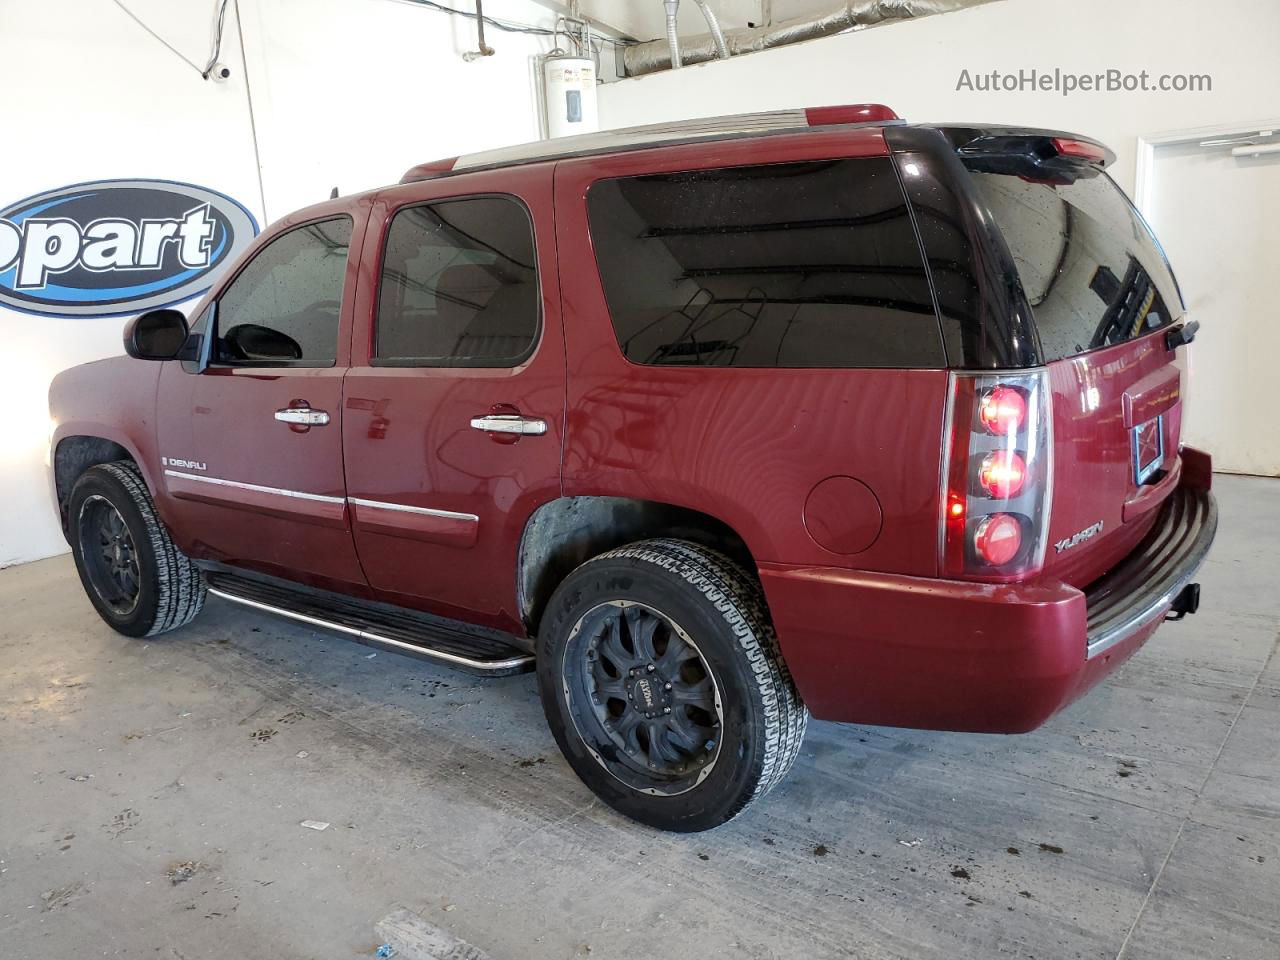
column 674, row 57
column 655, row 55
column 713, row 24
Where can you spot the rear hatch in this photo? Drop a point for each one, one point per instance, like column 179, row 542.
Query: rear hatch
column 1103, row 299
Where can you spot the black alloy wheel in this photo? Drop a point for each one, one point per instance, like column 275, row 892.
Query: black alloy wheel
column 135, row 576
column 645, row 686
column 109, row 555
column 663, row 683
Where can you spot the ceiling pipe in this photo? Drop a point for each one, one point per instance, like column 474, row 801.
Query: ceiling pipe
column 485, row 50
column 655, row 55
column 713, row 24
column 674, row 60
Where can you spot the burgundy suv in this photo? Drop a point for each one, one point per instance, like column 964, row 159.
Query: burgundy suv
column 715, row 424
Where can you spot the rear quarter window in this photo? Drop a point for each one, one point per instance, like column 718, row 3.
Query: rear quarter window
column 1090, row 268
column 812, row 264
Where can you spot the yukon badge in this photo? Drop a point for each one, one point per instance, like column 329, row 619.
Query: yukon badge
column 1086, row 534
column 116, row 247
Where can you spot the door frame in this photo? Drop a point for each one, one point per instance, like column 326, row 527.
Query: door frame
column 465, row 530
column 1144, row 179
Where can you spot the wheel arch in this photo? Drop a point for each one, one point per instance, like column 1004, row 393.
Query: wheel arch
column 72, row 456
column 566, row 532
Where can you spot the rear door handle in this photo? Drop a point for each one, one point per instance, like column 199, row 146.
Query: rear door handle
column 510, row 423
column 304, row 416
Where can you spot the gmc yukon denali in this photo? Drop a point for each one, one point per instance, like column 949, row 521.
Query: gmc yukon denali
column 715, row 425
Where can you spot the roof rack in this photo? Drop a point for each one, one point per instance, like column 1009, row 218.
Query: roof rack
column 681, row 131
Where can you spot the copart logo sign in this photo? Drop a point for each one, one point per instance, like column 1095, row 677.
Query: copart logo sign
column 117, row 246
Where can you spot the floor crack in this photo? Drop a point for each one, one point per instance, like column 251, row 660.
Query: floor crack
column 1124, row 944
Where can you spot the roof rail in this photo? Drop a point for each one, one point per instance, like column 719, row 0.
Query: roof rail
column 680, row 131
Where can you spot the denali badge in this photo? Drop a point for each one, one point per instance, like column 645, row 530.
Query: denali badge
column 185, row 464
column 1079, row 538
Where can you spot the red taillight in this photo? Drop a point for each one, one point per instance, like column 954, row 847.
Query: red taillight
column 1002, row 473
column 849, row 113
column 997, row 473
column 1003, row 410
column 1081, row 150
column 997, row 539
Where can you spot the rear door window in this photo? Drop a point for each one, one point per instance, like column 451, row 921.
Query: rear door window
column 812, row 264
column 459, row 285
column 1092, row 272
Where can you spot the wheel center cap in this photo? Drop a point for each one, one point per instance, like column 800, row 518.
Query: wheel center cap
column 649, row 695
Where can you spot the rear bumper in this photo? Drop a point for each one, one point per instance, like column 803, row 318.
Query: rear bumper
column 1146, row 582
column 999, row 658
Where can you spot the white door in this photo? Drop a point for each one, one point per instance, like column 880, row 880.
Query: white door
column 1218, row 217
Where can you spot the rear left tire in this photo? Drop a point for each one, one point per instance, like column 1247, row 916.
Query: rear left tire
column 663, row 684
column 135, row 576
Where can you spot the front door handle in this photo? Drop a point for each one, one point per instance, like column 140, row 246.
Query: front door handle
column 303, row 416
column 510, row 423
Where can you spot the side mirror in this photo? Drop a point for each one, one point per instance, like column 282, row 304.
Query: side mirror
column 157, row 335
column 255, row 343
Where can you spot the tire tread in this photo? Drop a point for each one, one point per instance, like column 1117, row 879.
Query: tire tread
column 180, row 585
column 737, row 598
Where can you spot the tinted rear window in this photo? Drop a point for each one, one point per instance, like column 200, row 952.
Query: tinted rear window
column 459, row 285
column 809, row 264
column 1090, row 268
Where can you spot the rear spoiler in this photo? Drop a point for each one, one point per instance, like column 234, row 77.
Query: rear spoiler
column 1040, row 154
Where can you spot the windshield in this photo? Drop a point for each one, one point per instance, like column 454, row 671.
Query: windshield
column 1091, row 269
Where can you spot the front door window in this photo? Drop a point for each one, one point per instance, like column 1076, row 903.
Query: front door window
column 283, row 308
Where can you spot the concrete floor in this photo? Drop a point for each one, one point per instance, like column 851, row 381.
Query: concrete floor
column 151, row 795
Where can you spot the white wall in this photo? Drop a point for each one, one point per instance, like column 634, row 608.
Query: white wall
column 90, row 97
column 914, row 67
column 351, row 93
column 346, row 93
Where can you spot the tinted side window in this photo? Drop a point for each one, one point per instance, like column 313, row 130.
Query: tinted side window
column 1090, row 267
column 809, row 264
column 459, row 285
column 283, row 308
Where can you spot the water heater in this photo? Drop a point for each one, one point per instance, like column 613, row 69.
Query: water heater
column 570, row 84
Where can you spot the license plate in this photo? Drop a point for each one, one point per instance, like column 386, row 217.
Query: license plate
column 1148, row 449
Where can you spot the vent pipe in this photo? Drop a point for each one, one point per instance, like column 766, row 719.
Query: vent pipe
column 713, row 24
column 674, row 61
column 641, row 58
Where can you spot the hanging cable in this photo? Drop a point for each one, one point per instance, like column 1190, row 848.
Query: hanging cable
column 217, row 39
column 217, row 42
column 176, row 52
column 510, row 26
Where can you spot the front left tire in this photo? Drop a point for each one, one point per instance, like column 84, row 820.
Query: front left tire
column 135, row 576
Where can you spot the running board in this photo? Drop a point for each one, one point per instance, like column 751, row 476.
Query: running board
column 468, row 648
